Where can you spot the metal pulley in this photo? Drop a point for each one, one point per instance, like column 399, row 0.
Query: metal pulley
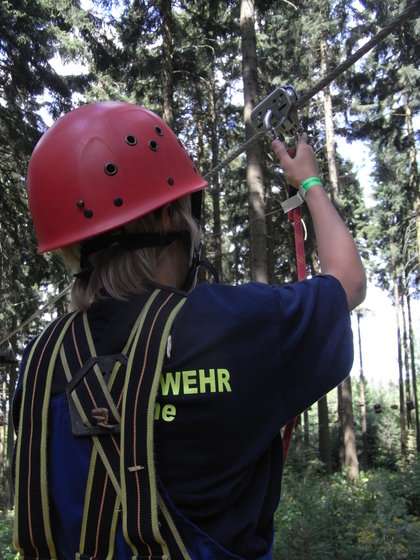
column 276, row 114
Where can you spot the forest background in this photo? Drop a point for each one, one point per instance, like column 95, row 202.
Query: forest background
column 352, row 479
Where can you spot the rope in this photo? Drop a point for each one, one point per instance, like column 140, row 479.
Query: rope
column 387, row 30
column 234, row 154
column 330, row 77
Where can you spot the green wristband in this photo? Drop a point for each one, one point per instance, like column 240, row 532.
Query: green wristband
column 310, row 182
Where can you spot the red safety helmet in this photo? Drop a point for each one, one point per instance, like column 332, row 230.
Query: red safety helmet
column 101, row 166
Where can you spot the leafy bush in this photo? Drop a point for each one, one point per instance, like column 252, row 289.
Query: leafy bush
column 377, row 518
column 7, row 551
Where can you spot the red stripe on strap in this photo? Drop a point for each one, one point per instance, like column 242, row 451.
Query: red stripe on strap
column 295, row 217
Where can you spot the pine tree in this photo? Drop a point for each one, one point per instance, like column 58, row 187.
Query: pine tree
column 31, row 34
column 258, row 226
column 386, row 89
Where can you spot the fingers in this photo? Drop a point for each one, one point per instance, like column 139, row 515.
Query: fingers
column 296, row 166
column 303, row 139
column 280, row 149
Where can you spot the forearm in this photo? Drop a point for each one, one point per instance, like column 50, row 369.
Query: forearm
column 337, row 251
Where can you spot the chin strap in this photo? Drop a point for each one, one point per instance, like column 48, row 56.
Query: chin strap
column 196, row 262
column 133, row 241
column 130, row 241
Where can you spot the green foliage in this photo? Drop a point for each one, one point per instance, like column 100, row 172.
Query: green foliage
column 383, row 428
column 386, row 78
column 31, row 33
column 383, row 431
column 7, row 551
column 377, row 518
column 120, row 44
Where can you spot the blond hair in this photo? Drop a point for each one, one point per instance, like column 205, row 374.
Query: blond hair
column 123, row 272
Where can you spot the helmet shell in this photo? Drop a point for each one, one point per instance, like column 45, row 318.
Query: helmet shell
column 101, row 166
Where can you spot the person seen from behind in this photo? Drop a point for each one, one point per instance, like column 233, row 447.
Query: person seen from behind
column 149, row 418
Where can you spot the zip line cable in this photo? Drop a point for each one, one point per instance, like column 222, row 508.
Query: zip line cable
column 234, row 154
column 305, row 98
column 330, row 77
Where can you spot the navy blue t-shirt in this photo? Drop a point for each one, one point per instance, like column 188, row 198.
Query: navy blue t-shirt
column 240, row 363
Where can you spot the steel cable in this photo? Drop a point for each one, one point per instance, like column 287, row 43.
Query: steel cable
column 330, row 77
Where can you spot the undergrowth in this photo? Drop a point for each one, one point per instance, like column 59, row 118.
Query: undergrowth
column 376, row 518
column 7, row 551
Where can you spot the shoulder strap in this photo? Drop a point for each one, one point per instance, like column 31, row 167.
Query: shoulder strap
column 149, row 532
column 96, row 387
column 32, row 529
column 122, row 474
column 125, row 470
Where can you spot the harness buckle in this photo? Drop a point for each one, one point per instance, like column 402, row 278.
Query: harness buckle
column 276, row 115
column 93, row 401
column 294, row 201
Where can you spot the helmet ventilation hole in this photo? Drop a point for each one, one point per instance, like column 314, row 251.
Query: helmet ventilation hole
column 80, row 203
column 158, row 130
column 153, row 145
column 88, row 213
column 131, row 140
column 170, row 181
column 110, row 168
column 118, row 201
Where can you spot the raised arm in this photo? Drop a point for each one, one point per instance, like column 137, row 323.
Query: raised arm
column 337, row 251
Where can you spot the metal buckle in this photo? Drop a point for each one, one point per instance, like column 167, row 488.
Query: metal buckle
column 275, row 114
column 294, row 201
column 79, row 428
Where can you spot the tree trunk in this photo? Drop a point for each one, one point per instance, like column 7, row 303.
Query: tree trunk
column 298, row 434
column 254, row 174
column 324, row 441
column 351, row 461
column 167, row 71
column 362, row 396
column 202, row 275
column 414, row 178
column 3, row 425
column 341, row 448
column 403, row 435
column 215, row 182
column 8, row 495
column 415, row 185
column 413, row 371
column 329, row 130
column 306, row 432
column 408, row 399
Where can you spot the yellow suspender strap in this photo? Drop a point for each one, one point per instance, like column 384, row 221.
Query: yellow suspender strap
column 147, row 528
column 32, row 532
column 115, row 479
column 98, row 384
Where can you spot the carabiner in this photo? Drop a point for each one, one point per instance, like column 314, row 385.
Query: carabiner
column 275, row 114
